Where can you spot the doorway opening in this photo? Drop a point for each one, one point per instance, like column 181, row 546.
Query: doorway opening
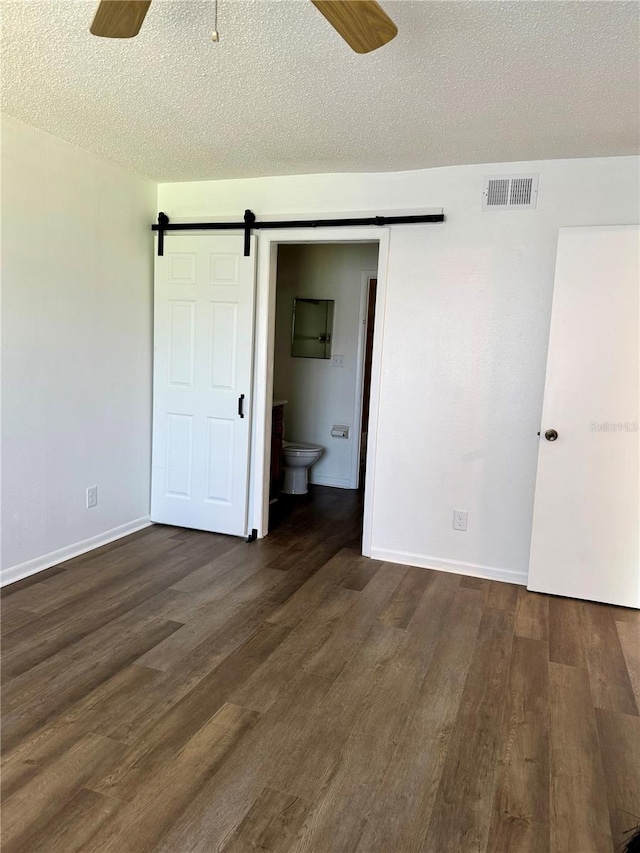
column 325, row 300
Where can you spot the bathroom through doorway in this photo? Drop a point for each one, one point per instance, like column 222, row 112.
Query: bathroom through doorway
column 325, row 309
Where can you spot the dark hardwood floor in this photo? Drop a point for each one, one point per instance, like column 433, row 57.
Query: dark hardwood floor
column 180, row 691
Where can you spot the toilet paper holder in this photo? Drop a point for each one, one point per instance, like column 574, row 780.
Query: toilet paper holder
column 339, row 431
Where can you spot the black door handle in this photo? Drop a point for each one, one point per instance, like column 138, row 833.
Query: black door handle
column 551, row 435
column 241, row 405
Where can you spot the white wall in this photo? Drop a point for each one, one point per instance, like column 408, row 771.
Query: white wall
column 464, row 340
column 76, row 349
column 319, row 393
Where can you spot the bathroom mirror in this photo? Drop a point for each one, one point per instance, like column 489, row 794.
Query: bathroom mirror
column 312, row 327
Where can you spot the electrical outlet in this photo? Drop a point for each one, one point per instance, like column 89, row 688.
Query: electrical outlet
column 460, row 519
column 338, row 360
column 92, row 496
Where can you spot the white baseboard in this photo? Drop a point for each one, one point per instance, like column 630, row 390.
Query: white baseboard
column 39, row 564
column 336, row 482
column 471, row 569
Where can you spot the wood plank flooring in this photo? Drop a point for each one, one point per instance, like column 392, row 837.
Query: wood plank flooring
column 179, row 691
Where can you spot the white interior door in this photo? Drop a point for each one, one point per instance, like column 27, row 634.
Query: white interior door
column 203, row 354
column 586, row 515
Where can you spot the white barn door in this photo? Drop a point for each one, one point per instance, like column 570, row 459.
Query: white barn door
column 202, row 382
column 585, row 540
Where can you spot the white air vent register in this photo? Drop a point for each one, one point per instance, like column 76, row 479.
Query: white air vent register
column 508, row 192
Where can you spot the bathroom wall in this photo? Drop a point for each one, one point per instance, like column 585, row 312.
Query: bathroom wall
column 319, row 392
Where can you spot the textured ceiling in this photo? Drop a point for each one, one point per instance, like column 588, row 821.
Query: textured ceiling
column 281, row 93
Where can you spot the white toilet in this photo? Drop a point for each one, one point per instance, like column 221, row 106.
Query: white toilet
column 298, row 458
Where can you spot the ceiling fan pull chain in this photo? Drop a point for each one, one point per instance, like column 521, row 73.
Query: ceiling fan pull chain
column 215, row 35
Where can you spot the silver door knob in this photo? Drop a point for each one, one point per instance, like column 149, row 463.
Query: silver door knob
column 551, row 435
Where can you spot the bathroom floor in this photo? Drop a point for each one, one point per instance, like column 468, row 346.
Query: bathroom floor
column 181, row 691
column 289, row 512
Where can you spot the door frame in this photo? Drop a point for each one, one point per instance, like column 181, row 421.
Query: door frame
column 365, row 278
column 264, row 355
